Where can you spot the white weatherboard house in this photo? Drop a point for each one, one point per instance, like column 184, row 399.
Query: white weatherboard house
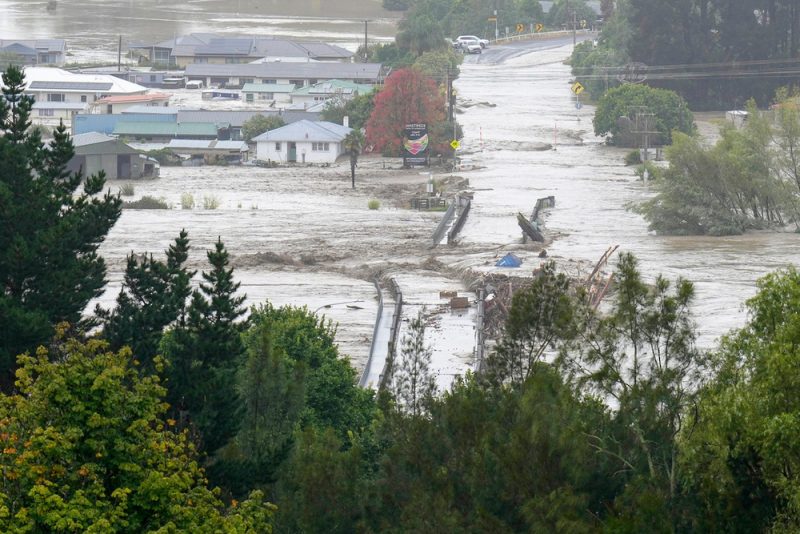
column 303, row 142
column 60, row 94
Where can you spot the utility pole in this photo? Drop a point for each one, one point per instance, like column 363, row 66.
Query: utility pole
column 366, row 50
column 574, row 28
column 643, row 121
column 119, row 54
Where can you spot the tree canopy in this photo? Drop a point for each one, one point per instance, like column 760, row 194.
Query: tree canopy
column 53, row 222
column 258, row 124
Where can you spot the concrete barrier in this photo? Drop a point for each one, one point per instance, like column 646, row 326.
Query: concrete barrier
column 441, row 229
column 465, row 205
column 365, row 374
column 386, row 375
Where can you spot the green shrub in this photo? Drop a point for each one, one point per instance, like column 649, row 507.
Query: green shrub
column 654, row 172
column 373, row 204
column 127, row 190
column 165, row 157
column 187, row 201
column 210, row 202
column 634, row 157
column 146, row 203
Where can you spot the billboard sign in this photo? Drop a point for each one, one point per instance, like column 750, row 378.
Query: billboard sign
column 415, row 145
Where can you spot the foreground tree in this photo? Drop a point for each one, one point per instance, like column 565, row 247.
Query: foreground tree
column 51, row 230
column 204, row 354
column 542, row 315
column 641, row 357
column 413, row 383
column 153, row 296
column 85, row 448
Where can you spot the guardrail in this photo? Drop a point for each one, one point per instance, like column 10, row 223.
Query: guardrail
column 466, row 205
column 386, row 374
column 441, row 229
column 538, row 36
column 368, row 366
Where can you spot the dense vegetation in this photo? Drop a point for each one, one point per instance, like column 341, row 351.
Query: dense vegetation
column 617, row 114
column 750, row 179
column 714, row 53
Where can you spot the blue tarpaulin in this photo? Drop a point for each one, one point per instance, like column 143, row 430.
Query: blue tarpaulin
column 509, row 260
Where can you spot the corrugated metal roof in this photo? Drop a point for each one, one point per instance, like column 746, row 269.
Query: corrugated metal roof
column 326, row 50
column 49, row 45
column 171, row 129
column 331, row 87
column 268, row 88
column 70, row 86
column 319, row 131
column 225, row 47
column 90, row 138
column 60, row 105
column 237, row 118
column 320, row 71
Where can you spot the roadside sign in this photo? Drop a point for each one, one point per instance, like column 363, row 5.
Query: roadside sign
column 578, row 104
column 520, row 28
column 583, row 23
column 577, row 88
column 539, row 27
column 492, row 19
column 455, row 144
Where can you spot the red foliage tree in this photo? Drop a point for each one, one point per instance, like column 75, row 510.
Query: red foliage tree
column 408, row 97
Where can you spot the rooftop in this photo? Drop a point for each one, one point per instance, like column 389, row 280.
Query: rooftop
column 321, row 71
column 45, row 78
column 311, row 131
column 129, row 99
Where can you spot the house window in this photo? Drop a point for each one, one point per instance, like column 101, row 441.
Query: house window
column 298, row 83
column 46, row 112
column 109, row 109
column 268, row 96
column 248, row 97
column 152, row 77
column 56, row 97
column 83, row 98
column 277, row 147
column 270, row 81
column 201, row 60
column 320, row 147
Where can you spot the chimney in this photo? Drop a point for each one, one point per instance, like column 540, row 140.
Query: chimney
column 346, row 121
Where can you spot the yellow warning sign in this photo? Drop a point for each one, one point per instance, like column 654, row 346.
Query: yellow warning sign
column 520, row 28
column 539, row 27
column 455, row 144
column 577, row 88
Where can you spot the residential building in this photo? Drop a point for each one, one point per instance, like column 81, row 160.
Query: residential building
column 268, row 93
column 207, row 48
column 323, row 91
column 60, row 95
column 32, row 52
column 119, row 104
column 297, row 74
column 160, row 131
column 303, row 142
column 95, row 152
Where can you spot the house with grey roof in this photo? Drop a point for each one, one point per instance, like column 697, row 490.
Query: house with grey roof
column 31, row 52
column 302, row 142
column 95, row 152
column 297, row 74
column 342, row 90
column 208, row 48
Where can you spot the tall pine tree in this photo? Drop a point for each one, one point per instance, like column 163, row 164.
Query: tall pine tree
column 49, row 267
column 204, row 352
column 153, row 296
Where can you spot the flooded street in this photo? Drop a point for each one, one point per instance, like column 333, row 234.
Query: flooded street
column 592, row 188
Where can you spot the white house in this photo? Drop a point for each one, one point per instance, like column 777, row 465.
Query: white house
column 267, row 93
column 122, row 103
column 60, row 94
column 303, row 142
column 310, row 95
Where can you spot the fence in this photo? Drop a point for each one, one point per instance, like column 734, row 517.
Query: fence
column 539, row 36
column 365, row 374
column 386, row 375
column 465, row 205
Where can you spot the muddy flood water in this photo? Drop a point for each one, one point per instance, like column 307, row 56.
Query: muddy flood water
column 302, row 236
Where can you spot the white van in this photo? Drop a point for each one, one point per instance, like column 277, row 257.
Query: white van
column 194, row 84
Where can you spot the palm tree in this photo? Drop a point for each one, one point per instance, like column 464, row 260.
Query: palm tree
column 353, row 144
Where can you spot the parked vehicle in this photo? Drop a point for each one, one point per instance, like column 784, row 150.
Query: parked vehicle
column 470, row 46
column 483, row 42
